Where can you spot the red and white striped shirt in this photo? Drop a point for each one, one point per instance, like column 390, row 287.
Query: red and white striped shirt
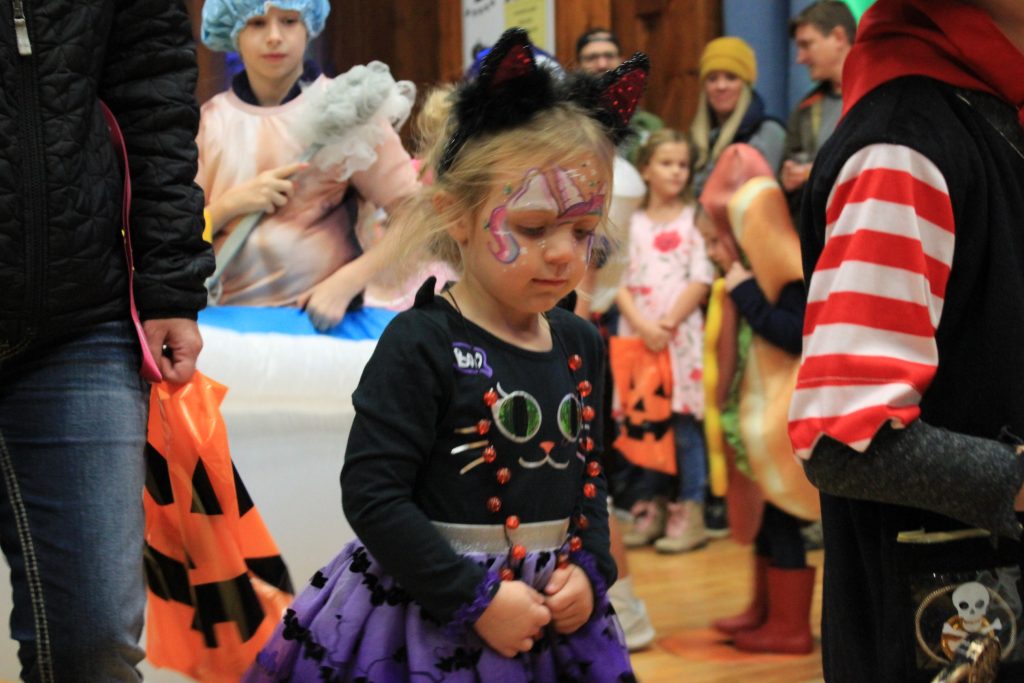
column 874, row 300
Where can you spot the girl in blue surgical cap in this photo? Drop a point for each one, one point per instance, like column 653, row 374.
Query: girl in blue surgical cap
column 299, row 151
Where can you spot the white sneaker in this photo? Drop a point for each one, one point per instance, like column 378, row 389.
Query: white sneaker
column 632, row 613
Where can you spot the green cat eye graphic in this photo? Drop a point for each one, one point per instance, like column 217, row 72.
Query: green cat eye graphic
column 569, row 422
column 517, row 416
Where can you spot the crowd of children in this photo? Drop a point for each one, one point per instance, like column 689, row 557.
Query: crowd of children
column 508, row 200
column 509, row 196
column 552, row 378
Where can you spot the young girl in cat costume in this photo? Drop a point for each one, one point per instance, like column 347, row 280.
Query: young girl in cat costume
column 471, row 476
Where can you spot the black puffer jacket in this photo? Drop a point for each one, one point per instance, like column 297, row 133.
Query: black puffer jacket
column 62, row 266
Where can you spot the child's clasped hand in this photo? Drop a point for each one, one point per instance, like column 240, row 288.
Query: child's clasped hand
column 517, row 615
column 570, row 597
column 514, row 619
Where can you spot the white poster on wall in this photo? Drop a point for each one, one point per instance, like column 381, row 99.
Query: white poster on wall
column 484, row 20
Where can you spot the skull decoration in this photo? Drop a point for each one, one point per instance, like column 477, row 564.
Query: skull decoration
column 971, row 601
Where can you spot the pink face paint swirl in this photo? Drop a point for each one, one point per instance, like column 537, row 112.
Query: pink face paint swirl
column 553, row 191
column 506, row 248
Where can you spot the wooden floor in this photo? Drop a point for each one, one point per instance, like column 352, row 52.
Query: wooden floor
column 684, row 593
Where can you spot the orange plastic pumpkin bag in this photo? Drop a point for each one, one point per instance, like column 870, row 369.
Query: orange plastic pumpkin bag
column 217, row 585
column 643, row 381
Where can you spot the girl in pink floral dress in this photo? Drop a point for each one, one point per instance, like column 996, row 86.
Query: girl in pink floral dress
column 668, row 279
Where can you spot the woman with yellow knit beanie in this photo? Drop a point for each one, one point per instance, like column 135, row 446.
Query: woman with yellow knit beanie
column 730, row 110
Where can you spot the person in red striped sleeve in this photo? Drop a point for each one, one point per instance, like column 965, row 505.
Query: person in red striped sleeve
column 909, row 405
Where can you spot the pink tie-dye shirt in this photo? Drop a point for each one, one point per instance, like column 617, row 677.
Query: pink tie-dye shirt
column 309, row 238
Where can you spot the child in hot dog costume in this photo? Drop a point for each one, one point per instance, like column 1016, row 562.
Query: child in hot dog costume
column 754, row 338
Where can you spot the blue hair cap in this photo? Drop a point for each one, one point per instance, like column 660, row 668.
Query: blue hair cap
column 223, row 19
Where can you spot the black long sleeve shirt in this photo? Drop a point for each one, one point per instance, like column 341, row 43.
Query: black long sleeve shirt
column 418, row 402
column 782, row 323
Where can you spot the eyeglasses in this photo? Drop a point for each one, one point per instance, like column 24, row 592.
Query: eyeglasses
column 594, row 56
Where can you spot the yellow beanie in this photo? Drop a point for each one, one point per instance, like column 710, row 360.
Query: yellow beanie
column 729, row 54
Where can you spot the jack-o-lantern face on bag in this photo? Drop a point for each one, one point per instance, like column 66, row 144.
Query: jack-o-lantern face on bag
column 644, row 383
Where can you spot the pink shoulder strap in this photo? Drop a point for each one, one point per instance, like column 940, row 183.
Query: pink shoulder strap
column 149, row 369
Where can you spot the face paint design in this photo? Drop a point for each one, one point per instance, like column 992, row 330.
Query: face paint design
column 556, row 191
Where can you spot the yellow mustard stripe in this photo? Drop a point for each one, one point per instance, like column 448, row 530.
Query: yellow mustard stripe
column 717, row 475
column 207, row 226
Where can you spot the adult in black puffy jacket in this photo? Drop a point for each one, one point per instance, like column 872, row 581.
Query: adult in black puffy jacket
column 72, row 405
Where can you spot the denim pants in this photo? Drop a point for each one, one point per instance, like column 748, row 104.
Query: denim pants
column 72, row 438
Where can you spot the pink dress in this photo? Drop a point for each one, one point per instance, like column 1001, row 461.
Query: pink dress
column 308, row 239
column 663, row 259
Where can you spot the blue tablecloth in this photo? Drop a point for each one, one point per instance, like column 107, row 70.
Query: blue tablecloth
column 366, row 323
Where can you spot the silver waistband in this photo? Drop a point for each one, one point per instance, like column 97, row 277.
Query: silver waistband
column 492, row 539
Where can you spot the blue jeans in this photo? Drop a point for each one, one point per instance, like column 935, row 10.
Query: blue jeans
column 72, row 438
column 691, row 457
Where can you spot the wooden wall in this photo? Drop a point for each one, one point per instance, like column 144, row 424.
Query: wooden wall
column 421, row 41
column 673, row 34
column 211, row 64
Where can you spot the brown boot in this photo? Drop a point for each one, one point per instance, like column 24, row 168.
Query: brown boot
column 788, row 627
column 684, row 529
column 757, row 610
column 648, row 523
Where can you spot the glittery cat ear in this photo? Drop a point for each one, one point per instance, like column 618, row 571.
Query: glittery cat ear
column 622, row 88
column 509, row 90
column 509, row 59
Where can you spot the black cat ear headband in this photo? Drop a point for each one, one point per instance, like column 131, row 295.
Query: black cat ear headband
column 511, row 88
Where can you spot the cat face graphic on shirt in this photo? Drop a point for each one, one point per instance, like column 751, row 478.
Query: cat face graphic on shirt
column 518, row 417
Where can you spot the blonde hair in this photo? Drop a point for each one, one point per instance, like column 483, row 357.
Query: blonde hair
column 700, row 129
column 664, row 136
column 432, row 117
column 551, row 136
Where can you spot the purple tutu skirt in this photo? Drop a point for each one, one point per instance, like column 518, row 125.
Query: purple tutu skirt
column 353, row 623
